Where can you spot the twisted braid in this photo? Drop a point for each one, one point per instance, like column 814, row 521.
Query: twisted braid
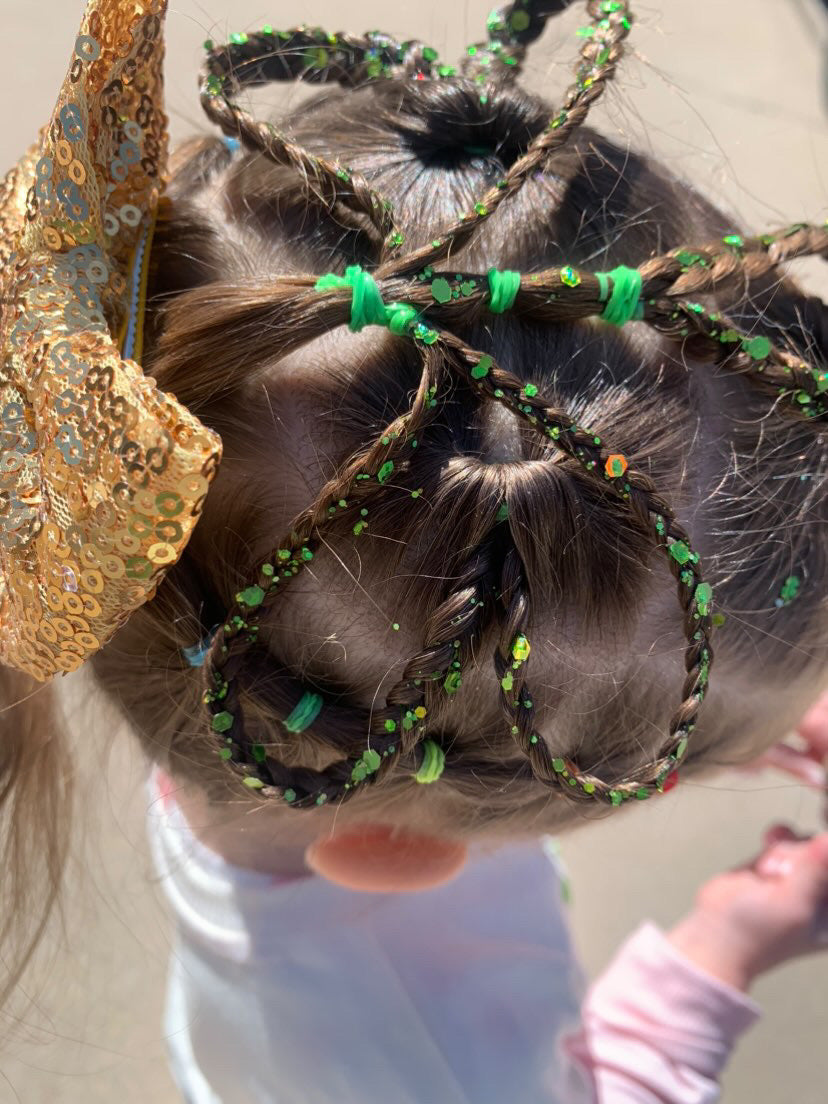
column 511, row 30
column 260, row 58
column 599, row 57
column 343, row 498
column 555, row 295
column 652, row 513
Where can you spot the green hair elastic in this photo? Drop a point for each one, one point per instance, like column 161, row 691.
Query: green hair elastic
column 625, row 303
column 434, row 759
column 503, row 289
column 367, row 306
column 305, row 713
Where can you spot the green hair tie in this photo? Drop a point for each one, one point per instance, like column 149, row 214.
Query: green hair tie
column 305, row 713
column 625, row 302
column 367, row 306
column 434, row 759
column 503, row 289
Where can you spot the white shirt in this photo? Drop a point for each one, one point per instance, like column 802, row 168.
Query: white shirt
column 303, row 992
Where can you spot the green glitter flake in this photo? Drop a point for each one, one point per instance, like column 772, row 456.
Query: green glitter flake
column 789, row 591
column 680, row 552
column 225, row 753
column 482, row 367
column 519, row 21
column 570, row 277
column 359, row 773
column 222, row 722
column 718, row 620
column 703, row 596
column 507, row 682
column 481, row 209
column 441, row 290
column 253, row 783
column 384, row 474
column 452, row 682
column 289, row 795
column 252, row 597
column 372, row 760
column 757, row 347
column 521, row 648
column 429, row 53
column 503, row 513
column 734, row 240
column 238, row 39
column 530, row 390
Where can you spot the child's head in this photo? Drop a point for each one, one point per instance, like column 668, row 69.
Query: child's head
column 431, row 560
column 494, row 488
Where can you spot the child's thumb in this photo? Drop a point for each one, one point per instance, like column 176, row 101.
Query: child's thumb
column 812, row 870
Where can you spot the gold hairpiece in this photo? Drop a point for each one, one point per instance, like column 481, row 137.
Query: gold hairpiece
column 102, row 476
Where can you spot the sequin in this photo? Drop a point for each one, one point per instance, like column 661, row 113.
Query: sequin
column 96, row 509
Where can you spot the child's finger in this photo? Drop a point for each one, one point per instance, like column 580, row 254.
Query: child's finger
column 813, row 727
column 810, row 869
column 793, row 761
column 778, row 833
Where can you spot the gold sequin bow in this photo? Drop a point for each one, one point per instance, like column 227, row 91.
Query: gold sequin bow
column 102, row 476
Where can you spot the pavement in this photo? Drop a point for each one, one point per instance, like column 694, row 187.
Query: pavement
column 732, row 96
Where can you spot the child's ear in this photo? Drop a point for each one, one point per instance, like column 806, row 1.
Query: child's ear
column 377, row 858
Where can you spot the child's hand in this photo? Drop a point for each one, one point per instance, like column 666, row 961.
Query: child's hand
column 752, row 918
column 807, row 762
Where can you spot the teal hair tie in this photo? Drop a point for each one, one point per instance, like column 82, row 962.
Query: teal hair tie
column 305, row 713
column 503, row 289
column 434, row 759
column 625, row 301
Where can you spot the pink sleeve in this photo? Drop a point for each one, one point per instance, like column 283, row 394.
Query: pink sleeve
column 655, row 1028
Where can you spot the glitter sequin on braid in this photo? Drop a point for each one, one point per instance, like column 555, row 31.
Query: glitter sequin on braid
column 252, row 59
column 556, row 295
column 417, row 301
column 602, row 50
column 511, row 30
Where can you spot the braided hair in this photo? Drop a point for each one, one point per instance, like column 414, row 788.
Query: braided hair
column 443, row 309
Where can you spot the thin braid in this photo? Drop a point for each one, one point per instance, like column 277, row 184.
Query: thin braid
column 510, row 659
column 455, row 627
column 653, row 515
column 314, row 55
column 327, row 182
column 706, row 335
column 599, row 57
column 693, row 271
column 511, row 30
column 342, row 498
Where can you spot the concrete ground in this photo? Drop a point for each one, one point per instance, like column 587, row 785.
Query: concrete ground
column 733, row 96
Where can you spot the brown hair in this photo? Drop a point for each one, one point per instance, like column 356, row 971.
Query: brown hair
column 486, row 529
